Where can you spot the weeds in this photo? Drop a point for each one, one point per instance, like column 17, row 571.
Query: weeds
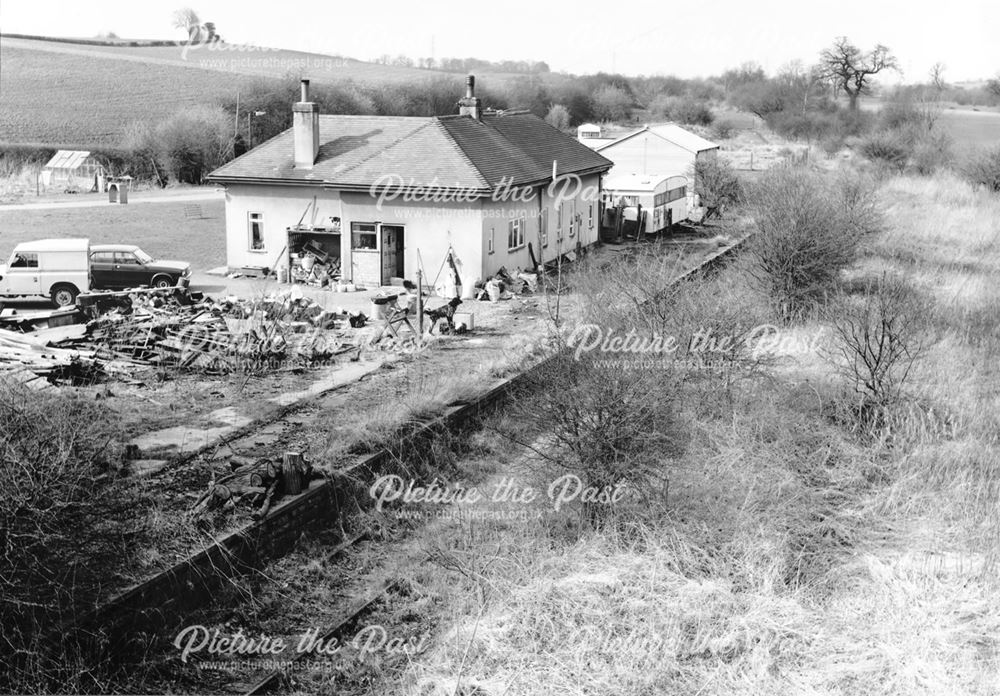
column 876, row 342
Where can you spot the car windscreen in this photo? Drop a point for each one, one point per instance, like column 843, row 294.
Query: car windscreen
column 143, row 256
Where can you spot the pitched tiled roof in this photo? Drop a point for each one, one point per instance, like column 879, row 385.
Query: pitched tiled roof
column 448, row 152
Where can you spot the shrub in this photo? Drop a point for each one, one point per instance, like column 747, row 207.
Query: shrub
column 723, row 129
column 887, row 149
column 691, row 112
column 932, row 152
column 875, row 346
column 983, row 170
column 716, row 185
column 54, row 498
column 193, row 142
column 806, row 232
column 832, row 144
column 611, row 103
column 558, row 117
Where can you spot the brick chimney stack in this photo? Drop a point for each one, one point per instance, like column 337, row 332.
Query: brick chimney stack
column 305, row 130
column 469, row 104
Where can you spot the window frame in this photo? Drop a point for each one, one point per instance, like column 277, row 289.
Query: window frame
column 30, row 259
column 256, row 218
column 357, row 232
column 515, row 234
column 490, row 241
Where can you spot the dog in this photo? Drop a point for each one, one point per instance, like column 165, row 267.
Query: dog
column 446, row 312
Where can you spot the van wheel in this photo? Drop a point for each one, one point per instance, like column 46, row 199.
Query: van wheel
column 64, row 295
column 162, row 281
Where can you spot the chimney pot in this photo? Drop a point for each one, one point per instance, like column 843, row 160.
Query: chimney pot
column 469, row 105
column 305, row 130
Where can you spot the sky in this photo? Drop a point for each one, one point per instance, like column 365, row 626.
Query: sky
column 641, row 37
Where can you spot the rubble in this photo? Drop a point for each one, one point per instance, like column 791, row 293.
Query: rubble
column 171, row 328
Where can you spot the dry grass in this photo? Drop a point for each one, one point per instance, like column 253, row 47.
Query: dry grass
column 790, row 558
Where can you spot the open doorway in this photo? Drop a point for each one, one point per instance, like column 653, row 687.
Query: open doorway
column 392, row 253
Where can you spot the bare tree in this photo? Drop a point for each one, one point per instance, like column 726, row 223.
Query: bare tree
column 188, row 20
column 850, row 69
column 876, row 343
column 937, row 77
column 993, row 85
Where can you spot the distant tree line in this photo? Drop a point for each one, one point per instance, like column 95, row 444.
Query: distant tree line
column 465, row 65
column 817, row 103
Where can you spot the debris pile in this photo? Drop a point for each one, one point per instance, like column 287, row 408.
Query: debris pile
column 313, row 266
column 171, row 328
column 503, row 286
column 255, row 483
column 215, row 336
column 22, row 352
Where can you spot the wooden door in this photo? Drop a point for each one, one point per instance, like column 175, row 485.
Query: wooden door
column 392, row 252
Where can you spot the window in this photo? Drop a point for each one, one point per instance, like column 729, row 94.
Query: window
column 256, row 224
column 559, row 222
column 543, row 227
column 363, row 236
column 105, row 257
column 25, row 259
column 515, row 234
column 590, row 209
column 676, row 194
column 660, row 199
column 489, row 240
column 126, row 258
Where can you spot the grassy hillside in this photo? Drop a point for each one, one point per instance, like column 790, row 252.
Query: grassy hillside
column 67, row 94
column 72, row 99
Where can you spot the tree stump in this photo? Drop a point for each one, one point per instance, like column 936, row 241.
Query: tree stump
column 292, row 473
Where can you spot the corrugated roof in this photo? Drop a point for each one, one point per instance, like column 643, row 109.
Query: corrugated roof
column 436, row 152
column 671, row 133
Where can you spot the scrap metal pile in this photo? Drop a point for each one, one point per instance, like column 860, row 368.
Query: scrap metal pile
column 173, row 329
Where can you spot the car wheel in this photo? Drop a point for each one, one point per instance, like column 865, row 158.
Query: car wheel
column 63, row 295
column 162, row 281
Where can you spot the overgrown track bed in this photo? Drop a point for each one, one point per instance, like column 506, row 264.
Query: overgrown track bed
column 341, row 426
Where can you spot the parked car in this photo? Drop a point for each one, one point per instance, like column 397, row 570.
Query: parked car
column 119, row 266
column 53, row 268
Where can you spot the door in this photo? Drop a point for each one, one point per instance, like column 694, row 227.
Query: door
column 102, row 268
column 22, row 274
column 392, row 252
column 129, row 271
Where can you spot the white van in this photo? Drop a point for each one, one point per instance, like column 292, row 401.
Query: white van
column 55, row 268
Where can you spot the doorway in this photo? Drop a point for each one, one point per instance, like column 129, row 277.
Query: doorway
column 392, row 252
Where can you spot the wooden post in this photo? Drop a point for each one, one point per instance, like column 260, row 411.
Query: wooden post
column 420, row 304
column 292, row 470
